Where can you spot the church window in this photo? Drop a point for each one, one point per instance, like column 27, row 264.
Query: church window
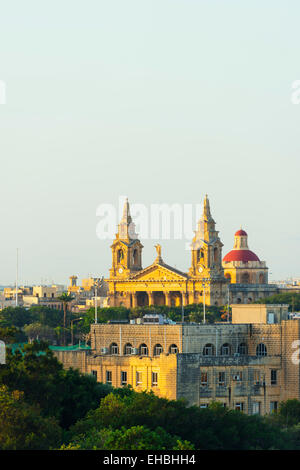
column 216, row 254
column 245, row 278
column 135, row 257
column 120, row 256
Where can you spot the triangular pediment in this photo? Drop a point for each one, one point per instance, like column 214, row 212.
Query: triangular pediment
column 159, row 272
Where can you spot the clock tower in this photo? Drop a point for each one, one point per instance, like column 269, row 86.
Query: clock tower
column 206, row 248
column 126, row 248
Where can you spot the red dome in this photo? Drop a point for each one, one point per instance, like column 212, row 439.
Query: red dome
column 240, row 255
column 240, row 233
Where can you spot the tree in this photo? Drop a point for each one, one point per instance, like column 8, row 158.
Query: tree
column 65, row 298
column 134, row 438
column 40, row 332
column 65, row 394
column 211, row 428
column 22, row 427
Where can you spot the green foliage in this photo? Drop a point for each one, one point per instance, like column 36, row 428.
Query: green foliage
column 134, row 438
column 65, row 394
column 22, row 427
column 292, row 299
column 289, row 412
column 8, row 334
column 212, row 428
column 37, row 331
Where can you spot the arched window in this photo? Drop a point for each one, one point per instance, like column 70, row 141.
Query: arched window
column 120, row 255
column 143, row 350
column 128, row 349
column 173, row 349
column 216, row 255
column 225, row 349
column 200, row 255
column 261, row 349
column 245, row 278
column 242, row 349
column 135, row 257
column 208, row 350
column 261, row 278
column 114, row 349
column 158, row 349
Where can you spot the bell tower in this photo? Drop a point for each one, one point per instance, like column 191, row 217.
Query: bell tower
column 126, row 248
column 206, row 248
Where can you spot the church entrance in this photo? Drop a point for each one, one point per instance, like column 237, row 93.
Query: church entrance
column 159, row 298
column 142, row 299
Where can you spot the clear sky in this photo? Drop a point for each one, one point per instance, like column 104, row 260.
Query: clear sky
column 159, row 100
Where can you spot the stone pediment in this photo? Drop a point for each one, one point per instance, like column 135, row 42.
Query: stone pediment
column 160, row 272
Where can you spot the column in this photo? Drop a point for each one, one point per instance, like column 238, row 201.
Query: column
column 168, row 299
column 134, row 300
column 183, row 298
column 151, row 298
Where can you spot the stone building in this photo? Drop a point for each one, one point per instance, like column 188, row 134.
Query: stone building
column 161, row 284
column 245, row 366
column 246, row 273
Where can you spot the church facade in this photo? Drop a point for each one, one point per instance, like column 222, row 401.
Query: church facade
column 130, row 285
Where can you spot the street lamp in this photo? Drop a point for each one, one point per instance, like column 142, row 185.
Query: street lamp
column 72, row 336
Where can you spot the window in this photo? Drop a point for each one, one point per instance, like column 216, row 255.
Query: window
column 225, row 349
column 256, row 376
column 208, row 350
column 221, row 379
column 273, row 406
column 123, row 378
column 273, row 377
column 128, row 349
column 138, row 378
column 238, row 376
column 158, row 349
column 204, row 380
column 242, row 349
column 114, row 350
column 94, row 374
column 239, row 406
column 154, row 379
column 143, row 350
column 261, row 350
column 173, row 349
column 109, row 377
column 203, row 405
column 256, row 408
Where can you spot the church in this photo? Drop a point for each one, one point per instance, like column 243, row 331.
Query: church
column 131, row 285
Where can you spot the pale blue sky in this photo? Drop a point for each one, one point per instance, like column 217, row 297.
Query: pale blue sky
column 160, row 100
